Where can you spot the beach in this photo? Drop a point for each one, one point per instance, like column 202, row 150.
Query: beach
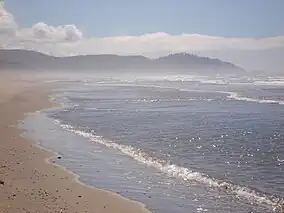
column 27, row 182
column 86, row 143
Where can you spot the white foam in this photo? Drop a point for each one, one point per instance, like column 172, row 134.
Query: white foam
column 51, row 81
column 231, row 95
column 168, row 100
column 270, row 81
column 272, row 202
column 238, row 97
column 217, row 82
column 190, row 78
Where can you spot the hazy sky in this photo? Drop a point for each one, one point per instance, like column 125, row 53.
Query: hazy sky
column 249, row 18
column 252, row 29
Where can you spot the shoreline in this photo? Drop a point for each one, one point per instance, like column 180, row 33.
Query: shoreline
column 30, row 182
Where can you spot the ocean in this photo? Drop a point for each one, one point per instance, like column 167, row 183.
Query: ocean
column 175, row 143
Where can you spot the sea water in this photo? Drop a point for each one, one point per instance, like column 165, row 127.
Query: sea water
column 175, row 143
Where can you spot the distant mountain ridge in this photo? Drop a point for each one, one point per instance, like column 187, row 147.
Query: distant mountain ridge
column 26, row 59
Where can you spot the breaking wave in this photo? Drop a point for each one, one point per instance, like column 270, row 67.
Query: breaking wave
column 238, row 97
column 230, row 95
column 253, row 196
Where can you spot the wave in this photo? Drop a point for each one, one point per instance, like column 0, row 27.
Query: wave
column 168, row 100
column 253, row 196
column 217, row 82
column 51, row 81
column 269, row 83
column 230, row 95
column 200, row 79
column 238, row 97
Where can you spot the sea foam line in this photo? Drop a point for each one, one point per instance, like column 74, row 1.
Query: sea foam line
column 238, row 97
column 255, row 197
column 230, row 95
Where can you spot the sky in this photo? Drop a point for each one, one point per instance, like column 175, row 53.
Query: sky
column 246, row 18
column 149, row 27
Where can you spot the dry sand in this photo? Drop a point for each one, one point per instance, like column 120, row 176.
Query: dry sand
column 27, row 183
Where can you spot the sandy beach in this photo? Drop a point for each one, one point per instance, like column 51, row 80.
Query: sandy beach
column 27, row 183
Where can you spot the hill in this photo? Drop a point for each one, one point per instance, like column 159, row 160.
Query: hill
column 176, row 63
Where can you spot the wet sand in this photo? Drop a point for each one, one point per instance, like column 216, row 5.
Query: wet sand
column 27, row 182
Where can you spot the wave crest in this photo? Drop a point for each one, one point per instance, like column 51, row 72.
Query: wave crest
column 238, row 97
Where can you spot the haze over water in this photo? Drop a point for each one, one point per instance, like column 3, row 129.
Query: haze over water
column 175, row 143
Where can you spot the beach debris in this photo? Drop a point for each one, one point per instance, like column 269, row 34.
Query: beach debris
column 79, row 196
column 59, row 157
column 2, row 182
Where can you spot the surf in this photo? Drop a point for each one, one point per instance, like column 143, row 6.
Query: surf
column 244, row 193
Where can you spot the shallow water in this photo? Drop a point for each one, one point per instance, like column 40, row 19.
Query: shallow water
column 177, row 145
